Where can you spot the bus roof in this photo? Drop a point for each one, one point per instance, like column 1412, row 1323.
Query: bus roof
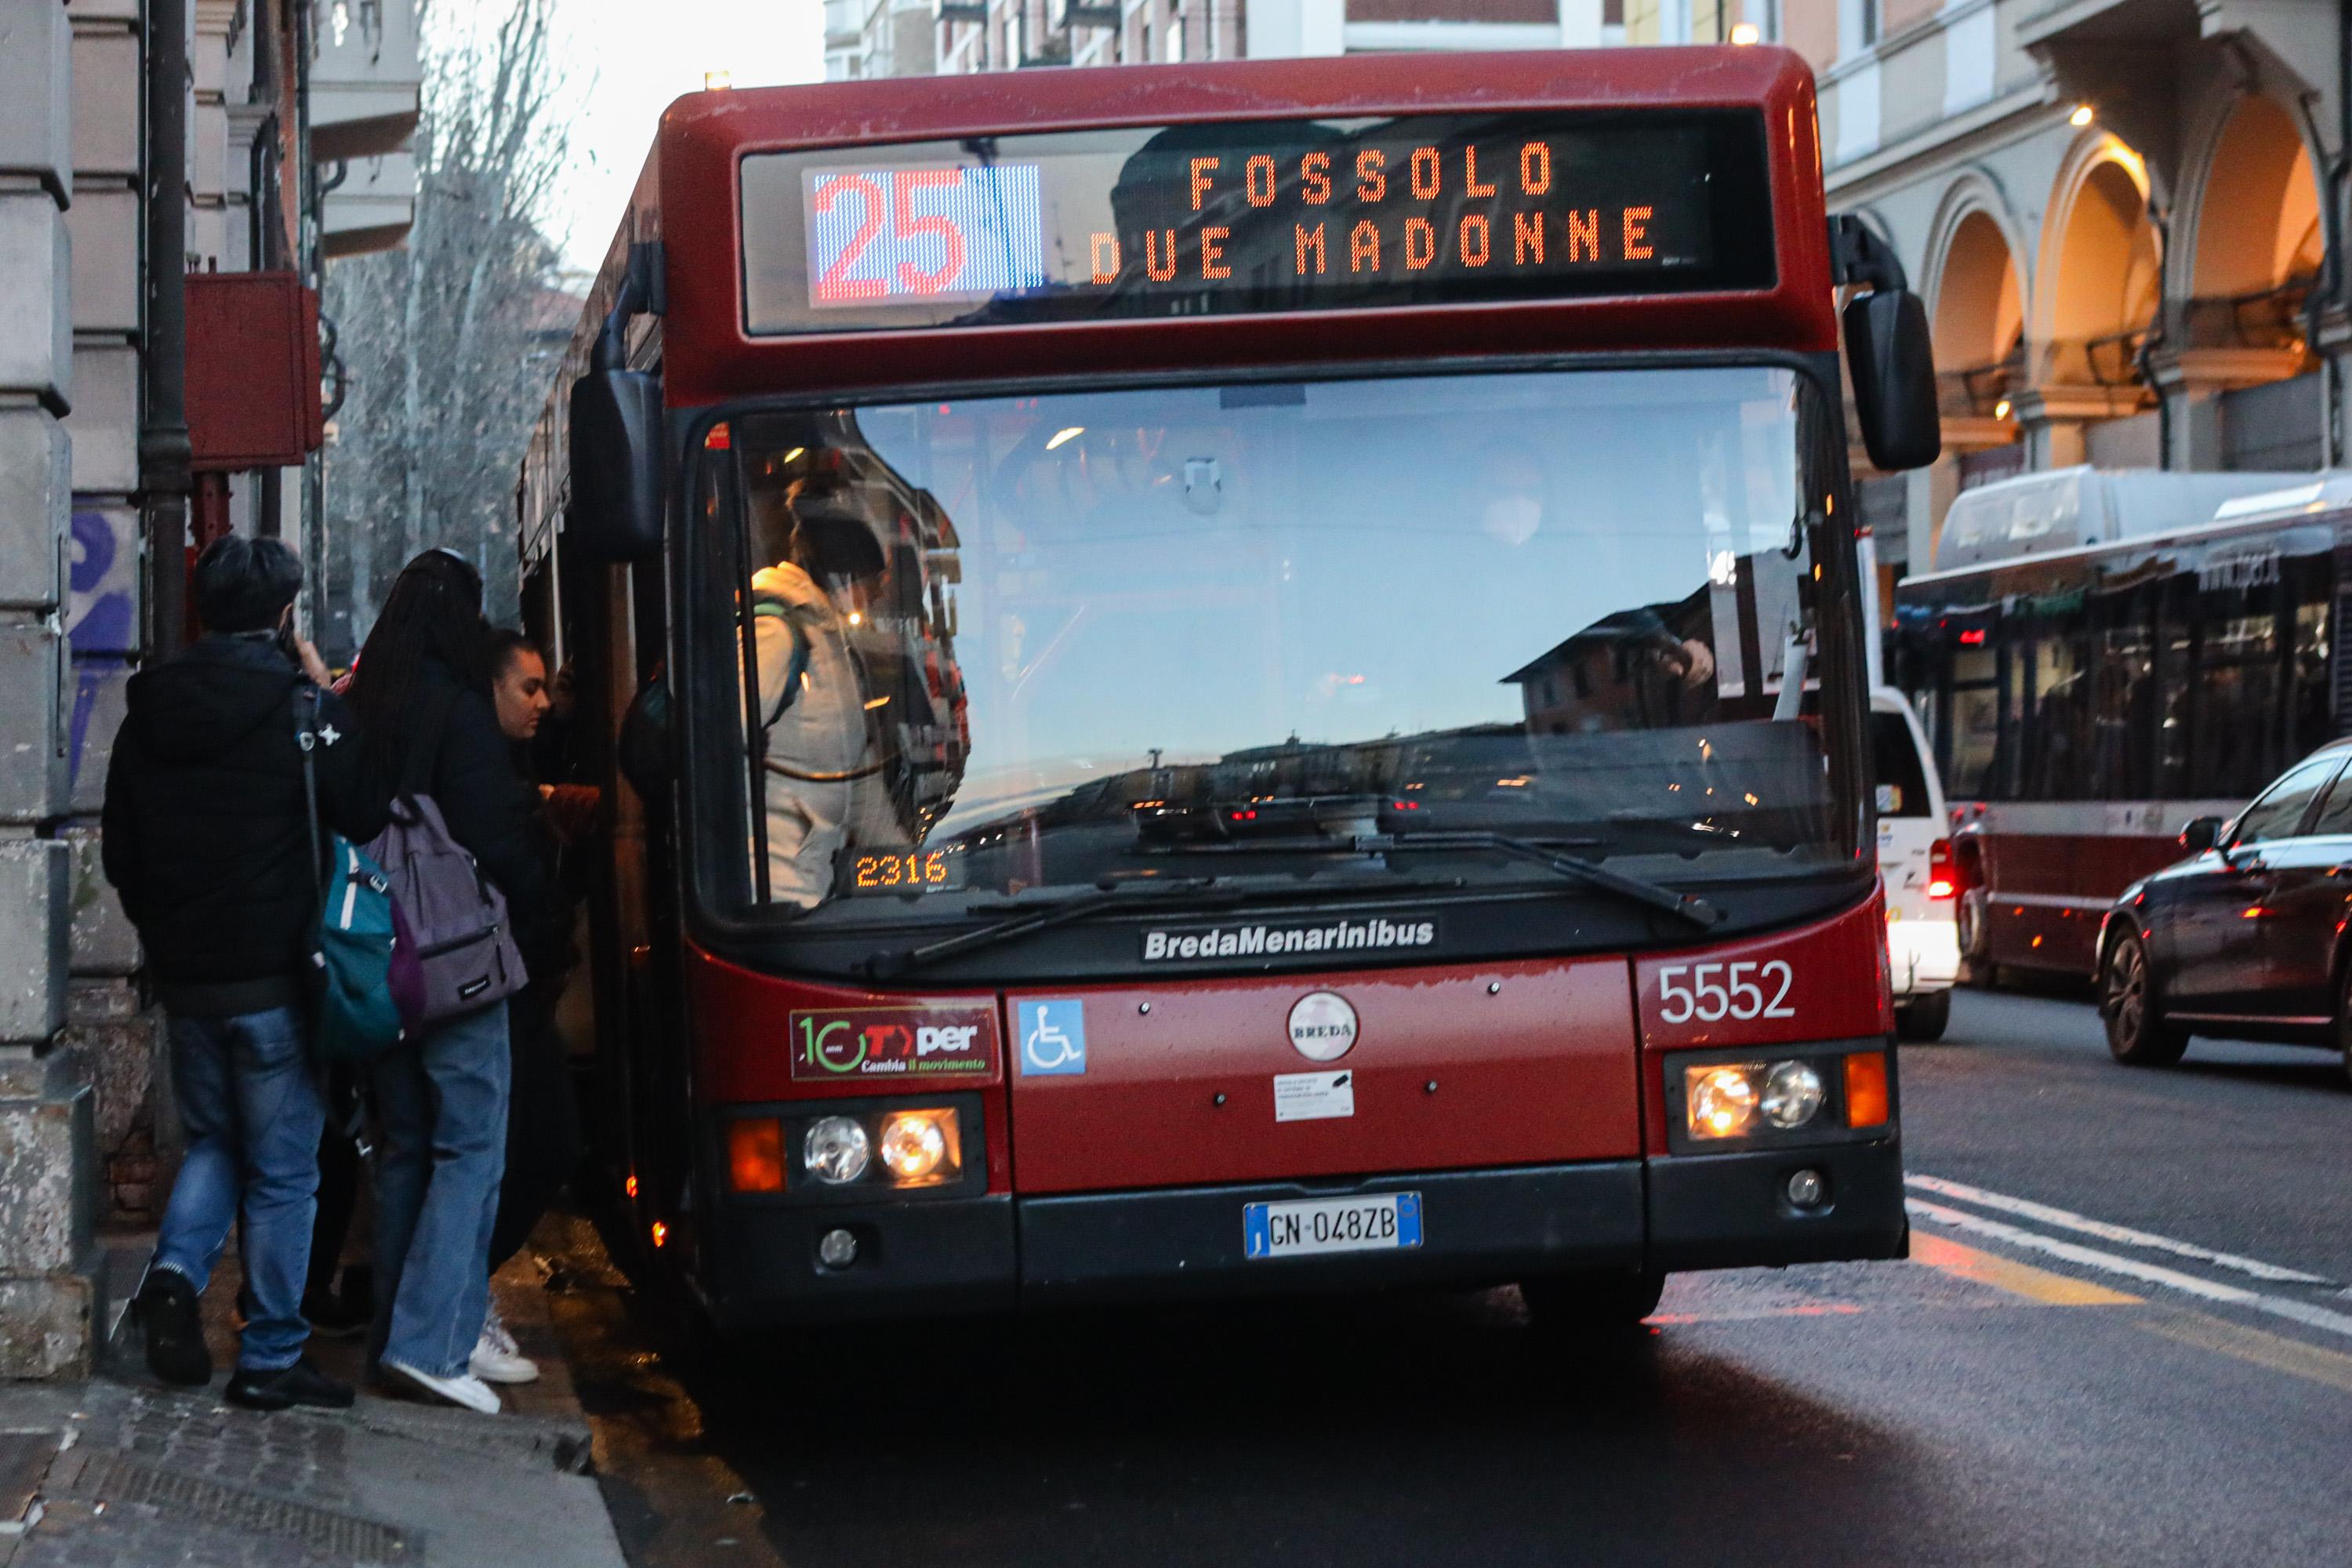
column 2230, row 522
column 695, row 179
column 2056, row 511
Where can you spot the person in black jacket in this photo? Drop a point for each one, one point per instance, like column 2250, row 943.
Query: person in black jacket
column 422, row 691
column 542, row 1122
column 208, row 842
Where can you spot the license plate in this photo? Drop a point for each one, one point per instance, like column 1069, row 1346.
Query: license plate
column 1386, row 1221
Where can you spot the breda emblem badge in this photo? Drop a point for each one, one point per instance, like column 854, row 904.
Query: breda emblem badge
column 1322, row 1026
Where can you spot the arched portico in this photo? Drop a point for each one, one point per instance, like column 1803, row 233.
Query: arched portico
column 2100, row 276
column 2250, row 246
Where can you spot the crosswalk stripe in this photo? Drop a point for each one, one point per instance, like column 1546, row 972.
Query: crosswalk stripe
column 2067, row 1219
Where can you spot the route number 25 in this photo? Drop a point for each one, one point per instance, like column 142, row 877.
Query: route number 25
column 1710, row 993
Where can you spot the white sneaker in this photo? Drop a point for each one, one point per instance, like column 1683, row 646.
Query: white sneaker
column 495, row 1332
column 470, row 1392
column 495, row 1363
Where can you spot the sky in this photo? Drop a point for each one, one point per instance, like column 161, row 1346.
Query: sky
column 628, row 59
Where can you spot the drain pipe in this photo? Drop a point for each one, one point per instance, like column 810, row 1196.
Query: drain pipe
column 164, row 455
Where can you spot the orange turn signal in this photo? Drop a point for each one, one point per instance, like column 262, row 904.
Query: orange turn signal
column 755, row 1155
column 1866, row 1090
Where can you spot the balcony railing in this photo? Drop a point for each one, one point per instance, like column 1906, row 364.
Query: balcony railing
column 1980, row 392
column 2264, row 319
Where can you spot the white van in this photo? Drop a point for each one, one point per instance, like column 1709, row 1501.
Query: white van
column 1915, row 861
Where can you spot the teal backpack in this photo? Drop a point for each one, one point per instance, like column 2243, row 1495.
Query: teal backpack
column 356, row 969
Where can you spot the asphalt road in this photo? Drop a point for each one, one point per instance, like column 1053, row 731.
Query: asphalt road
column 2124, row 1338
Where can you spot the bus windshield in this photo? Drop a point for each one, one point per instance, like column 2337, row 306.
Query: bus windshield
column 1038, row 646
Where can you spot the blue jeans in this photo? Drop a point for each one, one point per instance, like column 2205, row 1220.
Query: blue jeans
column 253, row 1113
column 442, row 1098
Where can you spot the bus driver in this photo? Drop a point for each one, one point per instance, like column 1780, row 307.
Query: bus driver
column 826, row 784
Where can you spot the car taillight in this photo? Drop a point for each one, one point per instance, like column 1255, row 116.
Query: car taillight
column 1941, row 882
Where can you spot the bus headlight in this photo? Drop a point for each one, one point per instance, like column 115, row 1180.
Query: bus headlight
column 1806, row 1098
column 1721, row 1100
column 921, row 1147
column 1792, row 1094
column 835, row 1149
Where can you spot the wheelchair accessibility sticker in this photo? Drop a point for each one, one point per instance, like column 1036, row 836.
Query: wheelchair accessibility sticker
column 1053, row 1037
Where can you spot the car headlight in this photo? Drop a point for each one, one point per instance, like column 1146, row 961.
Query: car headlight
column 835, row 1149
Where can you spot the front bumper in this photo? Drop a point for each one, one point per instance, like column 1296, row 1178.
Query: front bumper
column 1480, row 1228
column 1923, row 955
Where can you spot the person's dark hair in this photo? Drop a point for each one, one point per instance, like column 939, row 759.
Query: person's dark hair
column 503, row 645
column 434, row 613
column 244, row 584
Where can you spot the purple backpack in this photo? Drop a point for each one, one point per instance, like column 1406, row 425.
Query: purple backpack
column 454, row 918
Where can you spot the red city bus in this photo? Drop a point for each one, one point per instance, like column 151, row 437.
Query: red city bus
column 1213, row 661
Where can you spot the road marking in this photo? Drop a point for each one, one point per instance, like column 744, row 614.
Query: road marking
column 2017, row 1278
column 2290, row 1357
column 1754, row 1314
column 2132, row 1268
column 2067, row 1219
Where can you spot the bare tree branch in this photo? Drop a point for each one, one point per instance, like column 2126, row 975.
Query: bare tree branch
column 441, row 338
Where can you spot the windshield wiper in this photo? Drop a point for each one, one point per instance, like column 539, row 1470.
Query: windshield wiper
column 1062, row 911
column 1640, row 890
column 1196, row 892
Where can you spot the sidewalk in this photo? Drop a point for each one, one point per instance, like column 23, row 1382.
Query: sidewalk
column 122, row 1472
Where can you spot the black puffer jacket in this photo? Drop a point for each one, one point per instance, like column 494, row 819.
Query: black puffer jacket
column 468, row 769
column 207, row 839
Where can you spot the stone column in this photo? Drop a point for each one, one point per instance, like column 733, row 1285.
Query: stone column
column 48, row 1177
column 2191, row 381
column 2053, row 418
column 2335, row 345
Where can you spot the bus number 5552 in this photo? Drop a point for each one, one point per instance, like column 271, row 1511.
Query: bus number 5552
column 1710, row 993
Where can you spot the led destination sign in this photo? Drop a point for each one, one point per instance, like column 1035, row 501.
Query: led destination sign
column 1285, row 216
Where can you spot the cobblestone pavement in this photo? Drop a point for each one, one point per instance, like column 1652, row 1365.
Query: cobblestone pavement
column 121, row 1473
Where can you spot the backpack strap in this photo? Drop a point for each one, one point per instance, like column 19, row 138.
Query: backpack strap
column 306, row 739
column 795, row 668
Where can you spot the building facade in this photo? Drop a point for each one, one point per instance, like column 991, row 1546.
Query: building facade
column 918, row 38
column 149, row 149
column 2124, row 215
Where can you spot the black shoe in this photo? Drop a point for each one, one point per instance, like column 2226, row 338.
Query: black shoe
column 300, row 1384
column 332, row 1318
column 176, row 1334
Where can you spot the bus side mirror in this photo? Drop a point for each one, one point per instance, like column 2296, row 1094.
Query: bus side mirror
column 1891, row 356
column 616, row 466
column 2200, row 835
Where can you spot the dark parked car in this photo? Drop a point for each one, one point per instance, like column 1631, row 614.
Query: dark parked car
column 2249, row 938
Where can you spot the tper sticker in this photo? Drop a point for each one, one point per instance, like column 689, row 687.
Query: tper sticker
column 1314, row 1096
column 954, row 1040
